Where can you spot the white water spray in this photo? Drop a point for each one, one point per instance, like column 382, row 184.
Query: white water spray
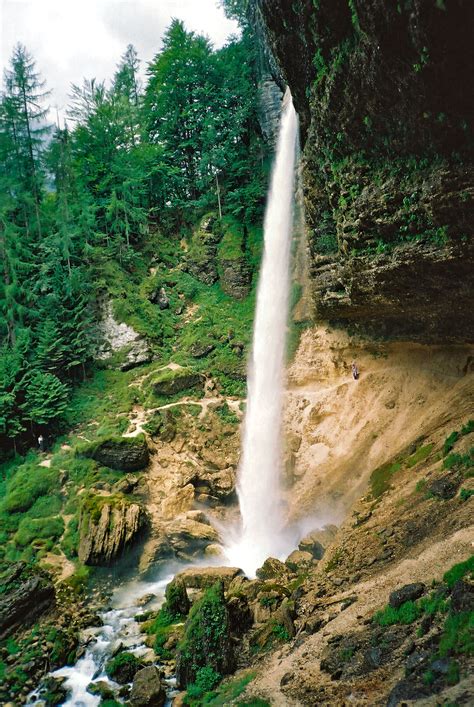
column 260, row 469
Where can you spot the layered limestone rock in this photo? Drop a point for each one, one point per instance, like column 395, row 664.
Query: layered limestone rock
column 26, row 593
column 417, row 291
column 108, row 525
column 386, row 162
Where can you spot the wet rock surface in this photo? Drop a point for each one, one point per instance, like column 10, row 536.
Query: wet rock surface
column 26, row 594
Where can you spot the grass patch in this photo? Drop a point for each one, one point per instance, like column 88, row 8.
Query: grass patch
column 420, row 455
column 226, row 693
column 380, row 478
column 459, row 571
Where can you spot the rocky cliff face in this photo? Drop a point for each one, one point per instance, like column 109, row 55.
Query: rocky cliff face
column 108, row 525
column 388, row 131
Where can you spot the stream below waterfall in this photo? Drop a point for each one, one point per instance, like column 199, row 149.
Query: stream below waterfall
column 119, row 630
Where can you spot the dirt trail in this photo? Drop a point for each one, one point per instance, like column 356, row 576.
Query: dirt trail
column 345, row 428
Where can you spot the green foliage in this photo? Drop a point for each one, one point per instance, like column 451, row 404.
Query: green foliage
column 28, row 483
column 206, row 641
column 381, row 477
column 206, row 680
column 33, row 529
column 70, row 541
column 407, row 613
column 467, row 428
column 466, row 494
column 227, row 415
column 450, row 442
column 120, row 663
column 420, row 455
column 226, row 693
column 459, row 571
column 458, row 635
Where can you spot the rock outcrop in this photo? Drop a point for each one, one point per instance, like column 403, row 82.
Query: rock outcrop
column 122, row 453
column 170, row 381
column 147, row 689
column 201, row 260
column 108, row 525
column 388, row 167
column 26, row 593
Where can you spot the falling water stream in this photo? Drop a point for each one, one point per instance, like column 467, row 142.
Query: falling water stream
column 262, row 531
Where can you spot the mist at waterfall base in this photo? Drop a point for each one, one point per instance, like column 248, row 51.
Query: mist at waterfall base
column 262, row 532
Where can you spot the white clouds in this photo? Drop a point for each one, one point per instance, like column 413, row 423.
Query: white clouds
column 73, row 39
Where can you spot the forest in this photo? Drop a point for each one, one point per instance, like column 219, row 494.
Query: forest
column 85, row 203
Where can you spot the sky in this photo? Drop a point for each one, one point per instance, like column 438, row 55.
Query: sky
column 76, row 39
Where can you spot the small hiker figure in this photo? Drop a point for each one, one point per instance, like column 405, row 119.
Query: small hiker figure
column 41, row 443
column 355, row 370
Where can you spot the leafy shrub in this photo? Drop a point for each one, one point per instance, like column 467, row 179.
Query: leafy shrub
column 70, row 541
column 466, row 494
column 206, row 680
column 458, row 634
column 468, row 427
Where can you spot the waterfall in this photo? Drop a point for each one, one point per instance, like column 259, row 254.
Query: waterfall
column 262, row 531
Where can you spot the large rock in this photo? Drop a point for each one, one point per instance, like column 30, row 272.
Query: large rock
column 205, row 577
column 178, row 502
column 188, row 537
column 147, row 689
column 26, row 593
column 122, row 453
column 108, row 525
column 409, row 592
column 137, row 354
column 207, row 640
column 170, row 381
column 273, row 569
column 236, row 277
column 317, row 541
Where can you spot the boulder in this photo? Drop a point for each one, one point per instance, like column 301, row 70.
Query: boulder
column 160, row 298
column 205, row 577
column 123, row 667
column 188, row 537
column 101, row 689
column 122, row 453
column 201, row 349
column 177, row 601
column 318, row 541
column 147, row 688
column 170, row 381
column 299, row 560
column 108, row 525
column 207, row 640
column 409, row 592
column 236, row 277
column 178, row 502
column 445, row 488
column 137, row 354
column 273, row 569
column 26, row 593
